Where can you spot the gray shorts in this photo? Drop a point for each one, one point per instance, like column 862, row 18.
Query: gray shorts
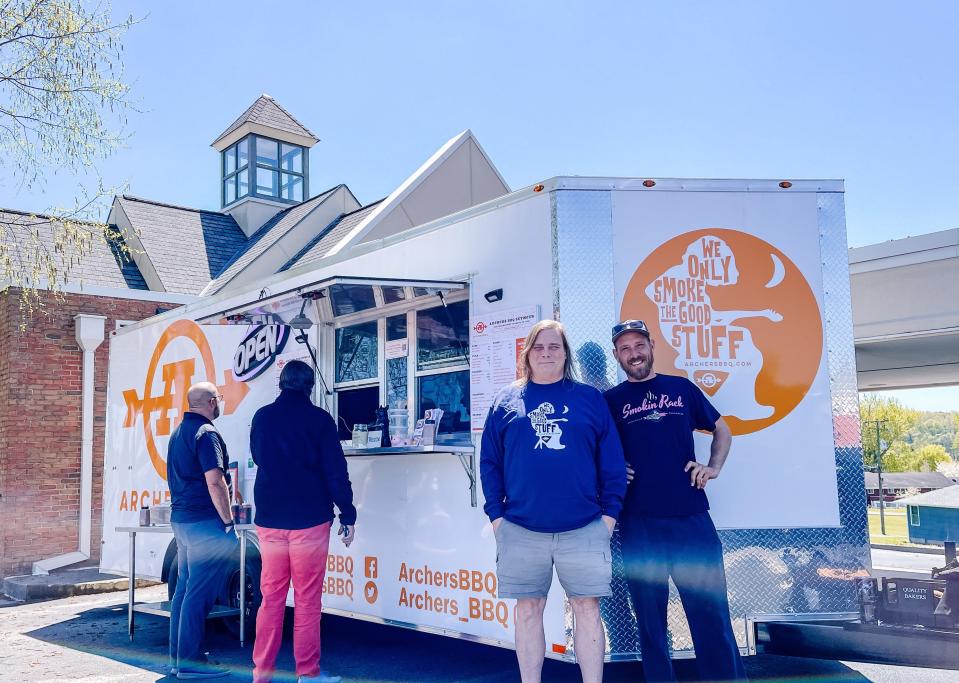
column 525, row 561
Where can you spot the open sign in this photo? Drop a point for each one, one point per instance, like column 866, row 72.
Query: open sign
column 257, row 352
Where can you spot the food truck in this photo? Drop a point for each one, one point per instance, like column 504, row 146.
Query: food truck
column 744, row 285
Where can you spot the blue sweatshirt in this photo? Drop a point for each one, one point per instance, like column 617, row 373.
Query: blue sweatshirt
column 550, row 458
column 301, row 470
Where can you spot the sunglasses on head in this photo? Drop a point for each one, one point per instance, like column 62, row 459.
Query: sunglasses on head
column 630, row 326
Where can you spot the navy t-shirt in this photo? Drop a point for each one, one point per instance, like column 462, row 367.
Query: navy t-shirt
column 194, row 449
column 550, row 458
column 656, row 420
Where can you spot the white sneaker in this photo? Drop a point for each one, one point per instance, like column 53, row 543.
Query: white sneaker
column 322, row 678
column 206, row 672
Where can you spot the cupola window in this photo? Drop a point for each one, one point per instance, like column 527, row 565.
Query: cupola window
column 278, row 170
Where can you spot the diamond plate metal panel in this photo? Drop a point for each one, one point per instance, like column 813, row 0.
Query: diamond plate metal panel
column 769, row 571
column 583, row 299
column 583, row 280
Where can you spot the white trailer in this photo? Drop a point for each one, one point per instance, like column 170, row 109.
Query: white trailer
column 744, row 285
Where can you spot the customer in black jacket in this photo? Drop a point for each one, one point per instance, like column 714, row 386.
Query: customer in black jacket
column 301, row 474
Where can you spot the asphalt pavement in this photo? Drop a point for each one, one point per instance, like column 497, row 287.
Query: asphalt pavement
column 904, row 561
column 84, row 640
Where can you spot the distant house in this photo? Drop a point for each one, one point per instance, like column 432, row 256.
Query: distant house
column 898, row 484
column 934, row 516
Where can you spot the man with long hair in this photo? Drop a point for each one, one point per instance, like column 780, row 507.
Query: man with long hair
column 301, row 474
column 554, row 478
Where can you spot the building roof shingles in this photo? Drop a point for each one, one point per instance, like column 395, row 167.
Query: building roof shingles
column 188, row 247
column 908, row 480
column 320, row 245
column 266, row 237
column 267, row 112
column 106, row 264
column 941, row 498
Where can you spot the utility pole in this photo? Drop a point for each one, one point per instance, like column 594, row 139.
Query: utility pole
column 881, row 448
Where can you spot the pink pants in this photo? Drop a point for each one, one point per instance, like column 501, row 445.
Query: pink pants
column 299, row 555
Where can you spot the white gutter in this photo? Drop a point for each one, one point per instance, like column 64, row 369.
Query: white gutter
column 89, row 333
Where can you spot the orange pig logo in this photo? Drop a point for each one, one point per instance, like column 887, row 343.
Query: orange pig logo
column 736, row 316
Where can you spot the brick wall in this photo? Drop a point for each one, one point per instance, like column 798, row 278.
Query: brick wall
column 40, row 425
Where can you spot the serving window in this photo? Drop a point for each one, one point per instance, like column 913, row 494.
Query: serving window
column 449, row 391
column 355, row 406
column 407, row 346
column 398, row 343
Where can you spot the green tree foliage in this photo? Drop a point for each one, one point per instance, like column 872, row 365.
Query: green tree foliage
column 62, row 105
column 927, row 458
column 894, row 422
column 916, row 441
column 898, row 459
column 934, row 428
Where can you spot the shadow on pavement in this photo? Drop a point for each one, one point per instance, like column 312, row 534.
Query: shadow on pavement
column 365, row 652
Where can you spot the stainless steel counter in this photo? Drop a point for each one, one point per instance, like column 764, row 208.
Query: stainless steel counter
column 464, row 452
column 400, row 450
column 163, row 608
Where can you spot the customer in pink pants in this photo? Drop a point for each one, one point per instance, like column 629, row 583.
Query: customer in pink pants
column 301, row 474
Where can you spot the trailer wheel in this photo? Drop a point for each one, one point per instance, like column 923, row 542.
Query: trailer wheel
column 230, row 596
column 229, row 593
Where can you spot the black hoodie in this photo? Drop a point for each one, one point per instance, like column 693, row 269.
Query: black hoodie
column 301, row 467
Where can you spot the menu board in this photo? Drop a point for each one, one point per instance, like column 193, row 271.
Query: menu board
column 496, row 341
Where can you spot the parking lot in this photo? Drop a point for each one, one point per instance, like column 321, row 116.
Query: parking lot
column 84, row 640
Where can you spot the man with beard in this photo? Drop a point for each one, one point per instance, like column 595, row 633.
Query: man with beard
column 202, row 523
column 665, row 524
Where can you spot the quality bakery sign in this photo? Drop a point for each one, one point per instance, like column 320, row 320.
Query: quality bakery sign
column 191, row 360
column 736, row 316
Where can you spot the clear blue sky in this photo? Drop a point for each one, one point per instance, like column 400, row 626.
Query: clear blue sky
column 933, row 399
column 862, row 91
